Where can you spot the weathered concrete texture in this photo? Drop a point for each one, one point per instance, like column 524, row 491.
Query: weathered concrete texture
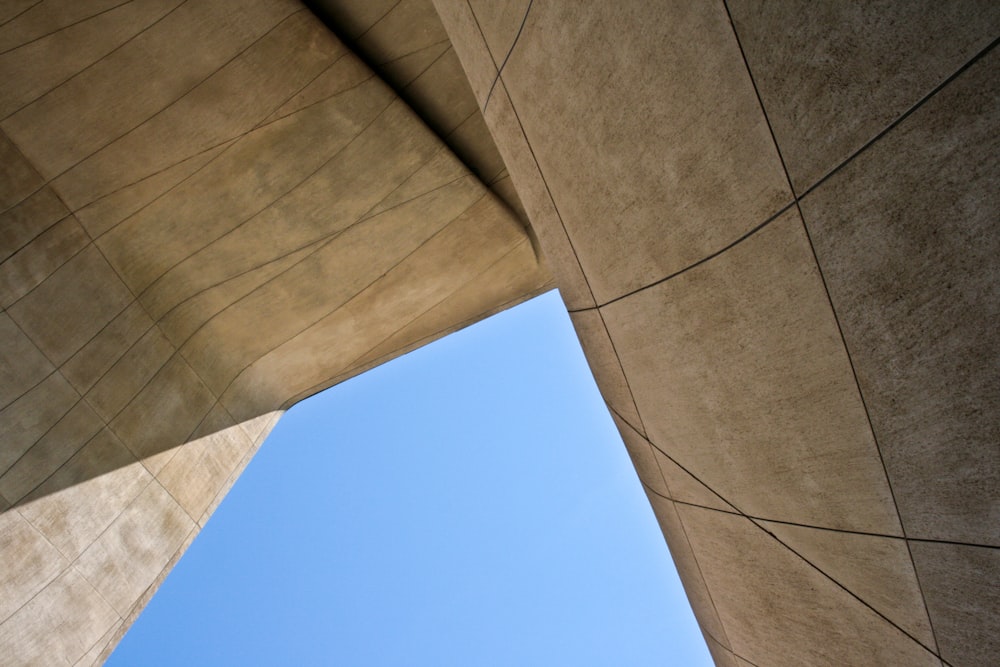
column 210, row 210
column 907, row 238
column 833, row 75
column 774, row 226
column 807, row 387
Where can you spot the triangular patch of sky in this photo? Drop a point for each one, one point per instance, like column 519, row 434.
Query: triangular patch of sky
column 469, row 503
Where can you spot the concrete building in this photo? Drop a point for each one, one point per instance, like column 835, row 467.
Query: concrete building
column 775, row 226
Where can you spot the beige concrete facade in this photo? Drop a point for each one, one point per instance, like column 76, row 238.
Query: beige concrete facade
column 775, row 226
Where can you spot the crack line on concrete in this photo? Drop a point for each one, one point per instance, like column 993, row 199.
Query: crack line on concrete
column 377, row 21
column 906, row 114
column 757, row 524
column 414, row 52
column 695, row 265
column 823, row 280
column 273, row 202
column 232, row 139
column 320, row 245
column 204, row 81
column 621, row 367
column 61, row 28
column 106, row 55
column 417, row 78
column 796, row 199
column 23, row 11
column 517, row 37
column 264, row 122
column 315, row 246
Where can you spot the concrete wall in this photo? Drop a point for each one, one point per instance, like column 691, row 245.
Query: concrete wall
column 210, row 209
column 775, row 226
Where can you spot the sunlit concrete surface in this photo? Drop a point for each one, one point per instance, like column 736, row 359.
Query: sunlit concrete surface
column 774, row 225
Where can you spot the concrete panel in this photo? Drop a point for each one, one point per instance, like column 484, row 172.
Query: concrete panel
column 74, row 506
column 23, row 222
column 18, row 178
column 59, row 625
column 674, row 160
column 354, row 18
column 446, row 107
column 246, row 180
column 63, row 313
column 745, row 408
column 201, row 466
column 50, row 452
column 721, row 656
column 127, row 377
column 472, row 137
column 144, row 76
column 345, row 73
column 12, row 9
column 876, row 569
column 28, row 418
column 44, row 18
column 685, row 488
column 833, row 75
column 126, row 559
column 504, row 277
column 32, row 264
column 90, row 363
column 34, row 64
column 962, row 587
column 320, row 284
column 101, row 650
column 175, row 401
column 759, row 586
column 406, row 27
column 226, row 105
column 188, row 316
column 907, row 238
column 409, row 66
column 332, row 202
column 105, row 212
column 479, row 235
column 37, row 563
column 23, row 365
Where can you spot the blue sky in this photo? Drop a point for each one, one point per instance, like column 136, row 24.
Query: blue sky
column 470, row 503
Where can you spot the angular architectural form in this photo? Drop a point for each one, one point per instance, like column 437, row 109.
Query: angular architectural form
column 775, row 226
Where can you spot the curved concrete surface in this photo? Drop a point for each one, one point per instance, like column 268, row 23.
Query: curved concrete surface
column 774, row 225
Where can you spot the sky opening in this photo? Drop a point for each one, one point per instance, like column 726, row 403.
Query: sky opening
column 469, row 503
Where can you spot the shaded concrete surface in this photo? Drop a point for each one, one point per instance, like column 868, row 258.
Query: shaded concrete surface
column 775, row 226
column 208, row 210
